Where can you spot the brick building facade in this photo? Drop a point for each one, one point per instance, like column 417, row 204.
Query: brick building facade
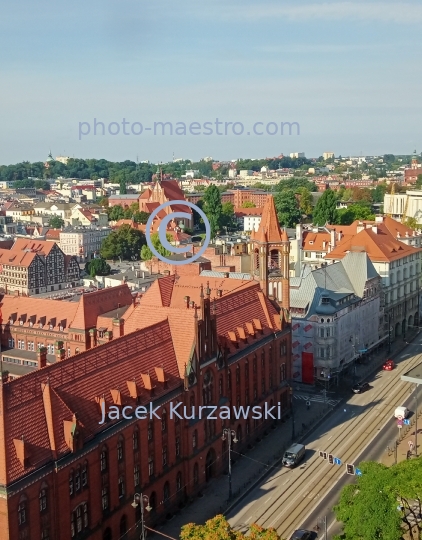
column 195, row 340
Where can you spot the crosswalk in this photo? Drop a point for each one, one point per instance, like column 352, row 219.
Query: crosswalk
column 317, row 398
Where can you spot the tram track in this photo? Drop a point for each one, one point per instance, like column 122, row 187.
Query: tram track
column 304, row 492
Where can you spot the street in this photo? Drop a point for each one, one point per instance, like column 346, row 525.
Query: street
column 359, row 430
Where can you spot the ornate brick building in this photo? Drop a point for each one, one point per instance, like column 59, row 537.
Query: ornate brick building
column 198, row 341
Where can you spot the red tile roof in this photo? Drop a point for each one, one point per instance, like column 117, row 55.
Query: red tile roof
column 269, row 227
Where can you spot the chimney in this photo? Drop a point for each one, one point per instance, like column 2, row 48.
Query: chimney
column 339, row 236
column 187, row 300
column 374, row 229
column 42, row 357
column 324, row 244
column 333, row 239
column 118, row 327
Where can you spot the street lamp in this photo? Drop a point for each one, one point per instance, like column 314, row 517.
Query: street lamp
column 140, row 499
column 229, row 435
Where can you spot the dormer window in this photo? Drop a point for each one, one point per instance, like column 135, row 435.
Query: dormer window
column 61, row 328
column 311, row 242
column 10, row 321
column 50, row 326
column 325, row 300
column 31, row 324
column 40, row 325
column 21, row 322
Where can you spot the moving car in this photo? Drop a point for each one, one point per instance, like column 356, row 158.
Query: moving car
column 403, row 412
column 389, row 365
column 293, row 455
column 302, row 534
column 360, row 387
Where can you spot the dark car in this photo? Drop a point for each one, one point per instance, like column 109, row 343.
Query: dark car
column 302, row 534
column 360, row 387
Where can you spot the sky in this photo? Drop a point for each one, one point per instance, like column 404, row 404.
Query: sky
column 346, row 72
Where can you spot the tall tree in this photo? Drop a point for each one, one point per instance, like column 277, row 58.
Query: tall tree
column 346, row 216
column 125, row 243
column 123, row 188
column 213, row 208
column 56, row 222
column 97, row 267
column 227, row 214
column 248, row 204
column 325, row 209
column 287, row 207
column 305, row 201
column 147, row 254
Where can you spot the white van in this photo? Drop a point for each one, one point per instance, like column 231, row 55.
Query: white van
column 403, row 412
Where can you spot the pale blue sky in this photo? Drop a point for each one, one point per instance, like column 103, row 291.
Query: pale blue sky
column 347, row 71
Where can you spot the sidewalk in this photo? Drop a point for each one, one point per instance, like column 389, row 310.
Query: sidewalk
column 248, row 469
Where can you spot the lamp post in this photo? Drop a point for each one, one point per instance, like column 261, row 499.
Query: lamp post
column 229, row 435
column 389, row 332
column 292, row 411
column 139, row 498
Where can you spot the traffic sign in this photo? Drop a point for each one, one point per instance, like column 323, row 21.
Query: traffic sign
column 337, row 461
column 358, row 472
column 406, row 422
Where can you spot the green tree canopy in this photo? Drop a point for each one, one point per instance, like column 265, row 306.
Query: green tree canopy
column 213, row 208
column 369, row 508
column 305, row 201
column 56, row 222
column 419, row 181
column 218, row 528
column 325, row 210
column 97, row 267
column 287, row 207
column 346, row 216
column 147, row 254
column 125, row 243
column 227, row 215
column 115, row 212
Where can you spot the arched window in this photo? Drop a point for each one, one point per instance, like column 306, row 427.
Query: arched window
column 179, row 481
column 164, row 455
column 43, row 498
column 195, row 439
column 22, row 511
column 246, row 370
column 120, row 449
column 229, row 380
column 123, row 525
column 238, row 374
column 153, row 501
column 166, row 492
column 104, row 498
column 177, row 446
column 164, row 420
column 104, row 459
column 192, row 402
column 135, row 439
column 79, row 520
column 195, row 474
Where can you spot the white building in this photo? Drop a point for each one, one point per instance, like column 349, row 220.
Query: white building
column 336, row 316
column 328, row 155
column 408, row 204
column 83, row 242
column 297, row 155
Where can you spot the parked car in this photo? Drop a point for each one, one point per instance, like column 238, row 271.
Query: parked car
column 389, row 365
column 302, row 534
column 360, row 387
column 403, row 412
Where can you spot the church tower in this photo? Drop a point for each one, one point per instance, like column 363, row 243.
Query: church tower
column 270, row 254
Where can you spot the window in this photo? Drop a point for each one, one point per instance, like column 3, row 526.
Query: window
column 164, row 455
column 220, row 385
column 120, row 449
column 164, row 420
column 195, row 474
column 195, row 439
column 104, row 497
column 150, row 466
column 123, row 525
column 150, row 431
column 166, row 492
column 79, row 519
column 84, row 474
column 45, row 533
column 179, row 481
column 43, row 499
column 229, row 380
column 121, row 486
column 22, row 511
column 11, row 342
column 207, row 388
column 71, row 484
column 103, row 460
column 78, row 479
column 246, row 370
column 135, row 439
column 237, row 375
column 136, row 476
column 177, row 446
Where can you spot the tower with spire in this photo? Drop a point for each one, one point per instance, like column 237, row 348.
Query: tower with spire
column 270, row 253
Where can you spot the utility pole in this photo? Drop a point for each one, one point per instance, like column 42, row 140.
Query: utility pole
column 292, row 411
column 229, row 435
column 141, row 499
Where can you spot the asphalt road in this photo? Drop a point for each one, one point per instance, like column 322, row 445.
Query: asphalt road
column 358, row 430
